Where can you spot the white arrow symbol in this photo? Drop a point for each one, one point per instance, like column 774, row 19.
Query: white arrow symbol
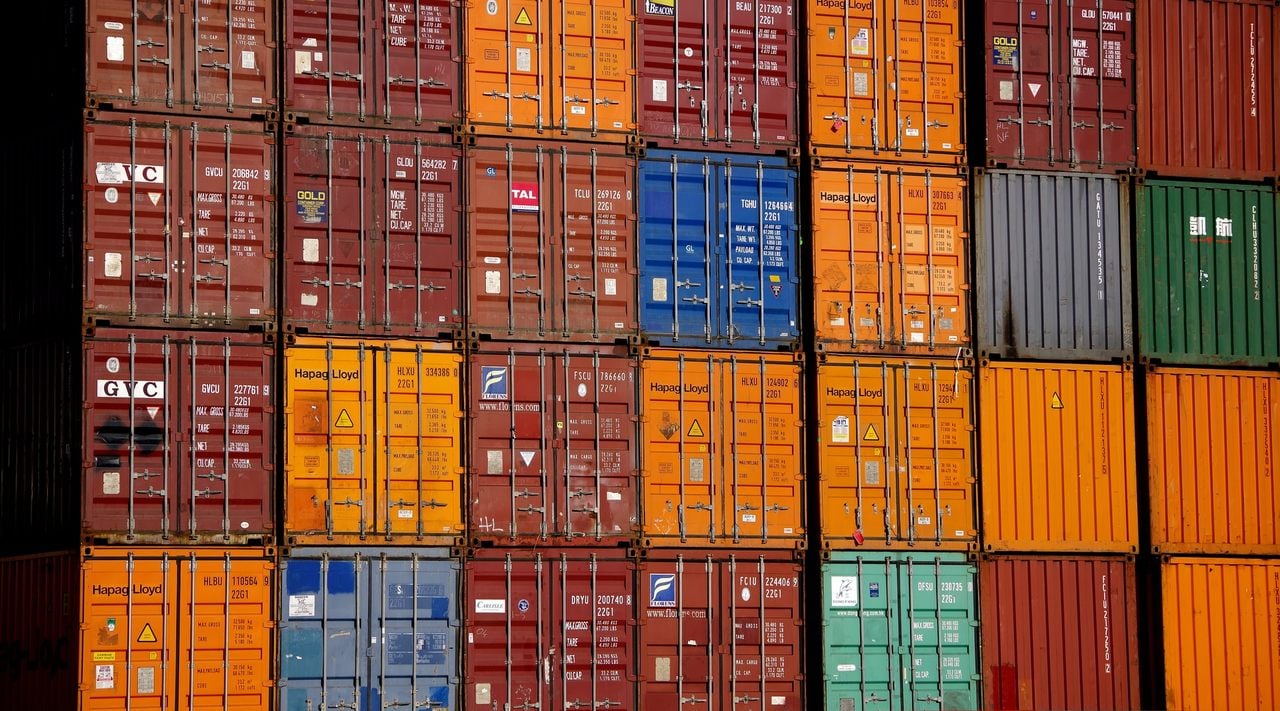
column 526, row 457
column 152, row 411
column 155, row 198
column 1035, row 89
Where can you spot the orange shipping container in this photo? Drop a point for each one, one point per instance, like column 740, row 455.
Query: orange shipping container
column 1059, row 470
column 372, row 442
column 553, row 69
column 1213, row 439
column 895, row 453
column 886, row 80
column 890, row 246
column 186, row 628
column 722, row 457
column 1221, row 634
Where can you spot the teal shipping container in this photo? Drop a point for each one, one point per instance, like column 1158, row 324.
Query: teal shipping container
column 1207, row 271
column 900, row 631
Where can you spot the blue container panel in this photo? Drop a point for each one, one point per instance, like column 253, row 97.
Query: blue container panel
column 380, row 634
column 718, row 251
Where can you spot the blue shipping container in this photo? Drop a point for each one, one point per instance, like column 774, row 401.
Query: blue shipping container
column 718, row 255
column 368, row 628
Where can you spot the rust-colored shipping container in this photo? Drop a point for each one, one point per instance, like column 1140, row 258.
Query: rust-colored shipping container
column 721, row 628
column 373, row 444
column 213, row 57
column 549, row 628
column 555, row 69
column 1059, row 633
column 372, row 233
column 40, row 630
column 1221, row 633
column 554, row 434
column 373, row 63
column 722, row 449
column 1059, row 464
column 886, row 80
column 890, row 252
column 178, row 224
column 551, row 241
column 1213, row 440
column 718, row 77
column 1208, row 103
column 1060, row 85
column 895, row 453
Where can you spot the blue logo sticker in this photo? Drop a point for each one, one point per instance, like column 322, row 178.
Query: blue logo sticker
column 662, row 590
column 493, row 382
column 523, row 605
column 873, row 590
column 490, row 171
column 312, row 206
column 1035, row 14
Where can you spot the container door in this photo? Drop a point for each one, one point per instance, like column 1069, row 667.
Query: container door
column 1099, row 90
column 225, row 655
column 758, row 49
column 681, row 634
column 508, row 79
column 674, row 71
column 863, row 663
column 593, row 66
column 923, row 96
column 757, row 292
column 938, row 618
column 852, row 251
column 845, row 111
column 857, row 414
column 683, row 487
column 325, row 63
column 129, row 640
column 242, row 38
column 323, row 631
column 764, row 663
column 509, row 630
column 929, row 221
column 414, row 659
column 1022, row 85
column 678, row 216
column 934, row 438
column 135, row 62
column 599, row 457
column 591, row 663
column 419, row 77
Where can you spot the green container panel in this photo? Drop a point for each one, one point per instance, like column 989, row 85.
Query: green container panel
column 1207, row 273
column 900, row 631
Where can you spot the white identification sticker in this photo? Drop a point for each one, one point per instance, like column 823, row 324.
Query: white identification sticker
column 1006, row 91
column 309, row 299
column 301, row 62
column 111, row 483
column 105, row 676
column 115, row 49
column 113, row 265
column 524, row 59
column 659, row 89
column 495, row 461
column 302, row 605
column 840, row 429
column 659, row 290
column 405, row 513
column 491, row 606
column 493, row 282
column 248, row 60
column 612, row 496
column 610, row 287
column 310, row 249
column 146, row 680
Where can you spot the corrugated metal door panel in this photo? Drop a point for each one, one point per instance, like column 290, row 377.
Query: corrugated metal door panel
column 1208, row 270
column 554, row 445
column 901, row 631
column 417, row 657
column 323, row 628
column 1214, row 448
column 1059, row 632
column 229, row 608
column 892, row 250
column 896, row 453
column 40, row 616
column 1059, row 467
column 1227, row 610
column 1053, row 266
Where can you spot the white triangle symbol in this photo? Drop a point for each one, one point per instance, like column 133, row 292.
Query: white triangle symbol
column 155, row 198
column 152, row 411
column 1035, row 88
column 527, row 457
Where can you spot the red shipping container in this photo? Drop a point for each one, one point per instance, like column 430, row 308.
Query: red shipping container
column 551, row 241
column 215, row 56
column 554, row 456
column 1208, row 102
column 719, row 77
column 372, row 62
column 178, row 223
column 723, row 628
column 549, row 629
column 1059, row 633
column 373, row 233
column 1060, row 85
column 40, row 630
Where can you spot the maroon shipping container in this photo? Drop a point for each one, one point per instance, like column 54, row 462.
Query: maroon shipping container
column 373, row 233
column 549, row 629
column 1060, row 85
column 372, row 62
column 554, row 435
column 719, row 76
column 40, row 630
column 1059, row 633
column 1208, row 100
column 551, row 248
column 178, row 223
column 212, row 56
column 723, row 628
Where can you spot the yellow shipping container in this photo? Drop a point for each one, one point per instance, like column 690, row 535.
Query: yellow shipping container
column 886, row 80
column 1221, row 633
column 895, row 453
column 1059, row 467
column 373, row 444
column 723, row 448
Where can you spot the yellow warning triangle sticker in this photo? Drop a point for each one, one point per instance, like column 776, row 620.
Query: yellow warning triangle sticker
column 871, row 435
column 344, row 420
column 1056, row 402
column 147, row 634
column 695, row 430
column 523, row 17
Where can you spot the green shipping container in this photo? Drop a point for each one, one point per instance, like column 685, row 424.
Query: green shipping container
column 1207, row 270
column 900, row 631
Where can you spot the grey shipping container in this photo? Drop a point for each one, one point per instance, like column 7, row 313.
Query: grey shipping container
column 366, row 628
column 1053, row 266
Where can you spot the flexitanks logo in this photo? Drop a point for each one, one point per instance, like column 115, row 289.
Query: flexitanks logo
column 662, row 590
